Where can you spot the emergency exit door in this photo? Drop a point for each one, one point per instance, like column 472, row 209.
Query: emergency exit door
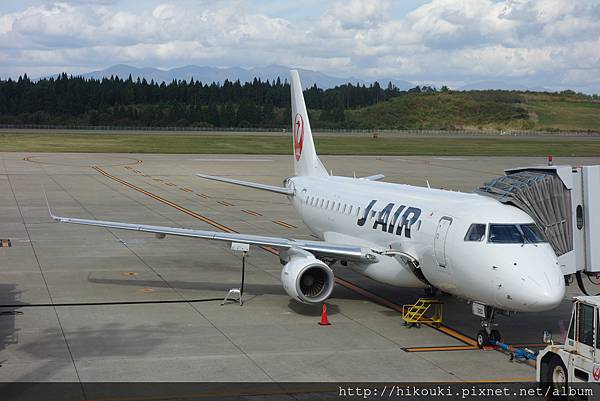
column 439, row 243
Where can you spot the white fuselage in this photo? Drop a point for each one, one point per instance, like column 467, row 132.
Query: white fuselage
column 430, row 225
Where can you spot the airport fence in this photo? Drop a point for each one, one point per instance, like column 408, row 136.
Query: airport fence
column 83, row 129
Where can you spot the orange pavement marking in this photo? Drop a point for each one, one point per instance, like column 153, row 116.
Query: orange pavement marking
column 284, row 224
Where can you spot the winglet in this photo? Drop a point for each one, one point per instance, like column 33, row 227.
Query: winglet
column 49, row 210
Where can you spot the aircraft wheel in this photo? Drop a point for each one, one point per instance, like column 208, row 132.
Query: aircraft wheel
column 482, row 339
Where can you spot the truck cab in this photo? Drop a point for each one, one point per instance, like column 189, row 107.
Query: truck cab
column 578, row 360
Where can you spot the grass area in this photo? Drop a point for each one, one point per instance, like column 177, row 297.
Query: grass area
column 499, row 110
column 454, row 110
column 565, row 115
column 333, row 145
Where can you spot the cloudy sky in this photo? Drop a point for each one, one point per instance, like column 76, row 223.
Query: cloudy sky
column 551, row 43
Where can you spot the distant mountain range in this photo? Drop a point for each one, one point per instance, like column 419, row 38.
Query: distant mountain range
column 309, row 77
column 216, row 74
column 501, row 85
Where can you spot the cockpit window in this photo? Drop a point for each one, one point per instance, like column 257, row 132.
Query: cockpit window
column 476, row 232
column 505, row 234
column 533, row 233
column 515, row 234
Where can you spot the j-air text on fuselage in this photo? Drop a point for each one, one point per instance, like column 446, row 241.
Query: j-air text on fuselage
column 467, row 245
column 406, row 217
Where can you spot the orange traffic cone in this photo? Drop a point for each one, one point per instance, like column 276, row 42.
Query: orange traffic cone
column 324, row 321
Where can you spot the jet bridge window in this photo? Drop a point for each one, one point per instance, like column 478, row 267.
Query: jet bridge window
column 475, row 233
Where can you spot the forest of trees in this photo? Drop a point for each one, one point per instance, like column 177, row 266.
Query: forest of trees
column 68, row 100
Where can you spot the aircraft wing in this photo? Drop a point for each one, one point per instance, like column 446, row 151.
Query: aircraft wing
column 319, row 248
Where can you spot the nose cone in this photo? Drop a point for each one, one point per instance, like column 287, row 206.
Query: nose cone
column 536, row 284
column 547, row 291
column 540, row 290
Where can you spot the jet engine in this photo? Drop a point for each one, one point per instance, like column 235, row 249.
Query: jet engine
column 307, row 279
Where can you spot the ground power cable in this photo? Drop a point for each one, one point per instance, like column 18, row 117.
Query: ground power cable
column 172, row 301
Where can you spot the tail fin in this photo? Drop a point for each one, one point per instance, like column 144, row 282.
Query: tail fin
column 306, row 161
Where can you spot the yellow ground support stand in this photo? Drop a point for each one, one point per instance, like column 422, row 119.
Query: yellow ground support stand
column 425, row 310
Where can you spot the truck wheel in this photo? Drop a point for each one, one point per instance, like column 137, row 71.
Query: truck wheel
column 482, row 339
column 556, row 379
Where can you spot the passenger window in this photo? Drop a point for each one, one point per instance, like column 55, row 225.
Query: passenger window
column 475, row 233
column 586, row 325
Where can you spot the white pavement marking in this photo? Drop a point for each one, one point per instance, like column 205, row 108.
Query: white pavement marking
column 234, row 160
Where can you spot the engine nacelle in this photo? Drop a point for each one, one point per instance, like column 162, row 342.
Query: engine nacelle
column 307, row 279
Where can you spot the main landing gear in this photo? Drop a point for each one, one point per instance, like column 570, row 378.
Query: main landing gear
column 431, row 291
column 488, row 335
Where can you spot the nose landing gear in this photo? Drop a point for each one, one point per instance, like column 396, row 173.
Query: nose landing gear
column 488, row 335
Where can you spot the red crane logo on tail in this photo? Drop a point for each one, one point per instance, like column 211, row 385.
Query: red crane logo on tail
column 298, row 135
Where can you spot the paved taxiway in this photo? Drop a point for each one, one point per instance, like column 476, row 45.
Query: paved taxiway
column 91, row 304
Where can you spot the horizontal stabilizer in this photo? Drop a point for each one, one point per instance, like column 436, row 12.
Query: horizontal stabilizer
column 264, row 187
column 375, row 177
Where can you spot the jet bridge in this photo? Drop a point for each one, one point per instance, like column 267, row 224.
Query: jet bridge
column 565, row 202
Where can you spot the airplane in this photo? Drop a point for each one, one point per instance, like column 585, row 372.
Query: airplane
column 465, row 244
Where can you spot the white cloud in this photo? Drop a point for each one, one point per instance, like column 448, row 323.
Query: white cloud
column 541, row 42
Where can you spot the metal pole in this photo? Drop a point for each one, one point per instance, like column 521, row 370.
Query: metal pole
column 243, row 274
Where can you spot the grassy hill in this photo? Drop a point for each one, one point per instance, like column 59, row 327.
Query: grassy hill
column 498, row 110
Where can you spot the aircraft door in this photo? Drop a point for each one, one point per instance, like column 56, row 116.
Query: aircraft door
column 439, row 242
